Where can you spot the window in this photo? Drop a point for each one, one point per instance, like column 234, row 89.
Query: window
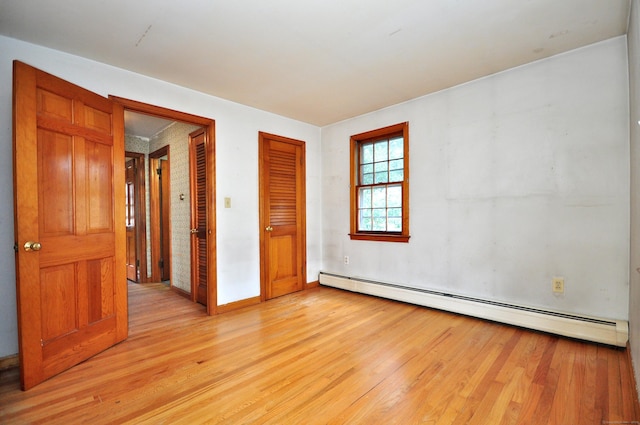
column 380, row 184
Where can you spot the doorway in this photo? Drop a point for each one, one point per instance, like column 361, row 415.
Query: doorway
column 135, row 209
column 170, row 267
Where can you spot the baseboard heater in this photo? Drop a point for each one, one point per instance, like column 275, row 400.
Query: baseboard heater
column 605, row 331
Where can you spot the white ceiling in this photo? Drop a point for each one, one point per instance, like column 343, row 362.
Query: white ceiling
column 142, row 125
column 318, row 61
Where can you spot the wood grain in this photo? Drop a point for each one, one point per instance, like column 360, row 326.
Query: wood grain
column 281, row 164
column 325, row 356
column 69, row 305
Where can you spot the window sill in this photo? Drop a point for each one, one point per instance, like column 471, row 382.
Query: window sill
column 379, row 237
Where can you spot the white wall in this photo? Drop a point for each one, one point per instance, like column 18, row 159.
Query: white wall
column 176, row 136
column 514, row 179
column 237, row 128
column 633, row 40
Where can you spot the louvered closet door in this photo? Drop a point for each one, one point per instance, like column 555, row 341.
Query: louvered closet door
column 199, row 214
column 283, row 199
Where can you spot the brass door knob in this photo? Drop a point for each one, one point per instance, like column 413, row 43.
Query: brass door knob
column 32, row 246
column 269, row 229
column 194, row 231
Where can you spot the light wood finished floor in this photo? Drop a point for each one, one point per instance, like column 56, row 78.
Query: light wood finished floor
column 326, row 356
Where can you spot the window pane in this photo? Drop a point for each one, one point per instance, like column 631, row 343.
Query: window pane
column 367, row 153
column 396, row 148
column 380, row 169
column 367, row 179
column 379, row 213
column 365, row 198
column 397, row 164
column 394, row 224
column 396, row 176
column 365, row 212
column 381, row 151
column 379, row 224
column 380, row 197
column 381, row 166
column 394, row 196
column 394, row 212
column 364, row 223
column 366, row 168
column 382, row 177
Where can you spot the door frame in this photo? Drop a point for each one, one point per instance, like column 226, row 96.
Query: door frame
column 263, row 223
column 209, row 126
column 140, row 213
column 155, row 217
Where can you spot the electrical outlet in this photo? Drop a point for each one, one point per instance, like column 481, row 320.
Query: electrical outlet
column 227, row 202
column 346, row 259
column 558, row 285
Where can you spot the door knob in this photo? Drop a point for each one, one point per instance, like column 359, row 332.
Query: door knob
column 268, row 228
column 32, row 246
column 194, row 231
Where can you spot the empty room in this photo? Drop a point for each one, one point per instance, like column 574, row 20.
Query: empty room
column 337, row 212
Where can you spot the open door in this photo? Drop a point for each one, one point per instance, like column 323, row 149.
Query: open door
column 199, row 223
column 208, row 126
column 136, row 216
column 131, row 208
column 70, row 240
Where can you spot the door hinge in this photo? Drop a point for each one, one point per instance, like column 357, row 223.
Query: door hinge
column 15, row 247
column 159, row 171
column 137, row 263
column 161, row 263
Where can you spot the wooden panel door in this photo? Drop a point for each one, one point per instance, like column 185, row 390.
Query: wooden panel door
column 70, row 242
column 282, row 215
column 199, row 232
column 130, row 212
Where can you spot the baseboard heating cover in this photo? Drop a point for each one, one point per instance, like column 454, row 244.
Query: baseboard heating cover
column 605, row 331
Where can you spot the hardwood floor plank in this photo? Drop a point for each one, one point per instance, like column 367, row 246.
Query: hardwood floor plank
column 573, row 398
column 587, row 408
column 615, row 389
column 565, row 361
column 325, row 356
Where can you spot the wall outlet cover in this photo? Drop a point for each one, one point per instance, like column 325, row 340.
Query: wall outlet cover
column 558, row 285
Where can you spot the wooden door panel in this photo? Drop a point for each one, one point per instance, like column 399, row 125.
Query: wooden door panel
column 72, row 292
column 58, row 287
column 282, row 215
column 132, row 218
column 53, row 106
column 284, row 267
column 131, row 254
column 99, row 187
column 54, row 161
column 283, row 255
column 199, row 221
column 100, row 289
column 97, row 120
